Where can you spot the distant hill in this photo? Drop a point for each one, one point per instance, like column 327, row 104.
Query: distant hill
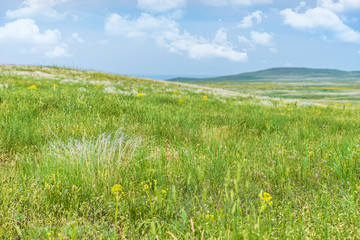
column 280, row 74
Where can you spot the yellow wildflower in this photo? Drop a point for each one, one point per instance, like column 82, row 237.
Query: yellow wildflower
column 116, row 189
column 33, row 87
column 265, row 196
column 176, row 91
column 265, row 200
column 140, row 95
column 181, row 101
column 205, row 98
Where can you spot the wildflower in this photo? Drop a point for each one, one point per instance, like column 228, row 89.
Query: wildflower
column 265, row 200
column 176, row 91
column 181, row 101
column 116, row 189
column 205, row 98
column 140, row 95
column 163, row 191
column 33, row 87
column 55, row 85
column 265, row 196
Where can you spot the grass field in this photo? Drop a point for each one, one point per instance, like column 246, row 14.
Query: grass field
column 87, row 155
column 340, row 92
column 307, row 85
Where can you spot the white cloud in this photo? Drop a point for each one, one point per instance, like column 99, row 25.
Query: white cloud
column 57, row 52
column 323, row 19
column 76, row 37
column 264, row 38
column 166, row 33
column 35, row 8
column 25, row 30
column 251, row 19
column 221, row 36
column 219, row 3
column 160, row 5
column 26, row 35
column 359, row 52
column 199, row 47
column 140, row 27
column 340, row 5
column 243, row 39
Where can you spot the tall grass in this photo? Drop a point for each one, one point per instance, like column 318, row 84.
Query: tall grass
column 94, row 165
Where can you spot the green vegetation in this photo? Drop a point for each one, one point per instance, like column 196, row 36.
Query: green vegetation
column 313, row 85
column 88, row 155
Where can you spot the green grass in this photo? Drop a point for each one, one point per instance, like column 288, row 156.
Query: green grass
column 314, row 91
column 188, row 170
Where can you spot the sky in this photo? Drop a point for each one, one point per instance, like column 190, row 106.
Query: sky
column 168, row 38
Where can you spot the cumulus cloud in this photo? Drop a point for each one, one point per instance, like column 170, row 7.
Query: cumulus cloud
column 199, row 47
column 57, row 52
column 25, row 32
column 140, row 27
column 251, row 19
column 243, row 39
column 160, row 5
column 234, row 2
column 259, row 38
column 36, row 8
column 340, row 5
column 166, row 33
column 322, row 19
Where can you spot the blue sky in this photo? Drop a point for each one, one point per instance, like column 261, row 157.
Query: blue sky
column 181, row 37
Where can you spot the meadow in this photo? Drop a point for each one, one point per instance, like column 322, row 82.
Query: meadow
column 87, row 155
column 309, row 91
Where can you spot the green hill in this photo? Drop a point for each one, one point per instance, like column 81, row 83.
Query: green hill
column 88, row 155
column 279, row 74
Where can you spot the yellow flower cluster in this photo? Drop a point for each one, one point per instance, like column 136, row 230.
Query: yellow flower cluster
column 117, row 189
column 265, row 200
column 33, row 87
column 140, row 95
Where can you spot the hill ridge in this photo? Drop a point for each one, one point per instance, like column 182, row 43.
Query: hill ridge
column 278, row 73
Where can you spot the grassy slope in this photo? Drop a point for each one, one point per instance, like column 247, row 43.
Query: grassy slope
column 191, row 169
column 314, row 85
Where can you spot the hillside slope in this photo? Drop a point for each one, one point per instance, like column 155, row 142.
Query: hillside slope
column 280, row 74
column 87, row 155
